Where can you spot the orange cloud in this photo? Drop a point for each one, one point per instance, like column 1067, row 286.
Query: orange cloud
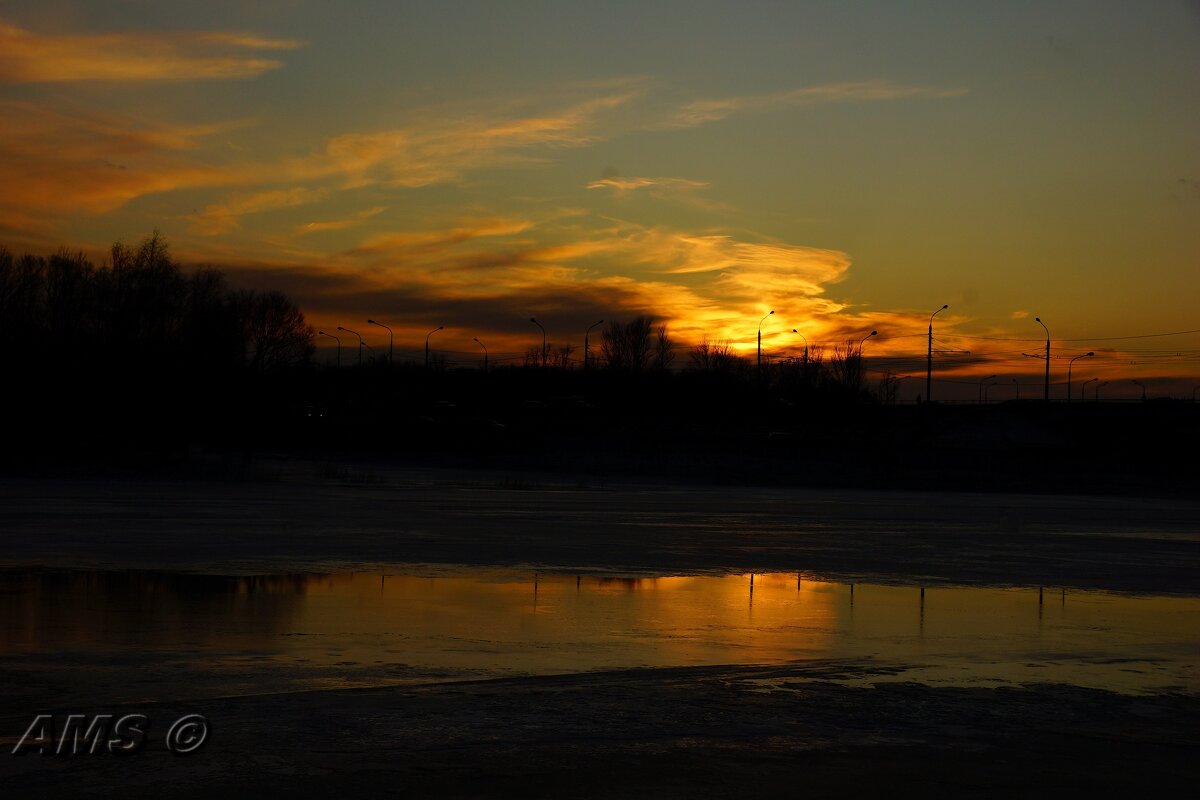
column 221, row 218
column 27, row 57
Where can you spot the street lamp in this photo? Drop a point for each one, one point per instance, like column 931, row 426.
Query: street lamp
column 1069, row 366
column 370, row 353
column 981, row 382
column 1017, row 386
column 805, row 338
column 485, row 353
column 1139, row 383
column 360, row 342
column 929, row 356
column 535, row 322
column 760, row 324
column 339, row 345
column 1046, row 395
column 585, row 342
column 864, row 339
column 1099, row 386
column 431, row 333
column 390, row 338
column 987, row 389
column 1083, row 390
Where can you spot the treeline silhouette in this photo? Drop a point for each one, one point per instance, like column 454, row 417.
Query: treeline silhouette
column 136, row 352
column 137, row 364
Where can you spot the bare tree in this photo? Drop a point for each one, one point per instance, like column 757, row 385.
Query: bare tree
column 846, row 366
column 627, row 346
column 712, row 356
column 664, row 349
column 276, row 334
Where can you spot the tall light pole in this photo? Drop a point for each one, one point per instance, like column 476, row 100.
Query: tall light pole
column 1100, row 386
column 805, row 338
column 585, row 342
column 1017, row 385
column 929, row 356
column 339, row 346
column 987, row 389
column 1083, row 390
column 485, row 353
column 760, row 324
column 535, row 322
column 390, row 338
column 1139, row 383
column 1069, row 367
column 1046, row 394
column 981, row 382
column 431, row 333
column 360, row 342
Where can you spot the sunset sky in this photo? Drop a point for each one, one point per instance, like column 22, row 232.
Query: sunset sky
column 851, row 165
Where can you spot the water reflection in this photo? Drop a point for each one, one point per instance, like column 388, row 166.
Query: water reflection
column 130, row 636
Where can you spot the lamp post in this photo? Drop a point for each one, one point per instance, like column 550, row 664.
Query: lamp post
column 339, row 345
column 370, row 353
column 929, row 356
column 485, row 353
column 805, row 338
column 390, row 338
column 431, row 333
column 864, row 339
column 1046, row 395
column 987, row 389
column 1083, row 390
column 1139, row 383
column 760, row 324
column 585, row 342
column 1069, row 367
column 360, row 342
column 1100, row 386
column 535, row 322
column 1017, row 386
column 981, row 382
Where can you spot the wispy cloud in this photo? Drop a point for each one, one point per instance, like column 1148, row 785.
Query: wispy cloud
column 27, row 57
column 623, row 185
column 223, row 217
column 55, row 161
column 698, row 112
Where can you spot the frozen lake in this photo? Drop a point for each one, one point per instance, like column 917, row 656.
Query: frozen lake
column 72, row 637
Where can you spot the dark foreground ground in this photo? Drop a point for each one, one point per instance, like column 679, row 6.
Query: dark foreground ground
column 696, row 732
column 707, row 732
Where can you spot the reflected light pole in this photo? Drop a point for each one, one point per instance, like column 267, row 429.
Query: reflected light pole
column 1069, row 367
column 431, row 333
column 929, row 356
column 1139, row 383
column 339, row 345
column 1046, row 394
column 485, row 353
column 390, row 339
column 805, row 338
column 760, row 324
column 360, row 342
column 585, row 342
column 981, row 382
column 535, row 322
